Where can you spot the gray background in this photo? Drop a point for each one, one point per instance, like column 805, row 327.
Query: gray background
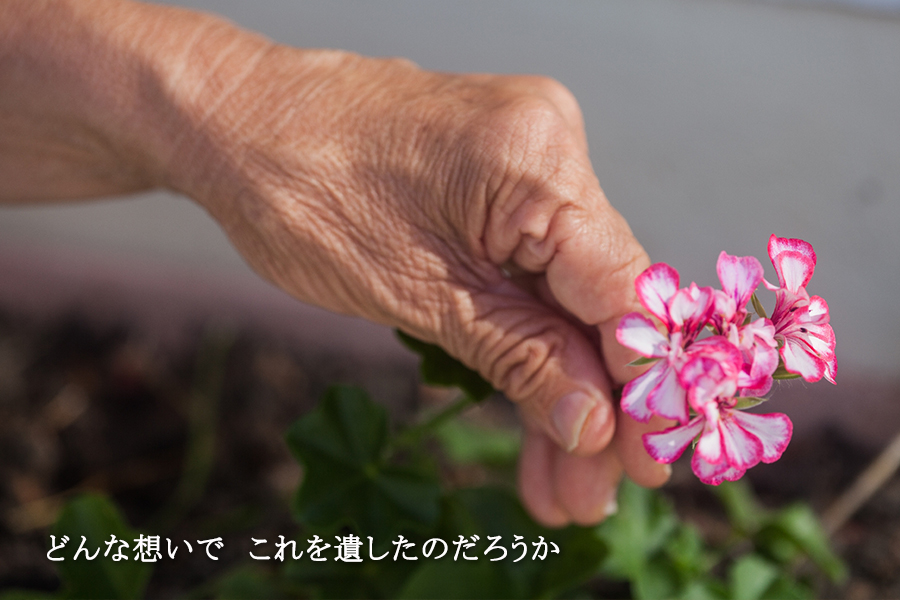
column 712, row 124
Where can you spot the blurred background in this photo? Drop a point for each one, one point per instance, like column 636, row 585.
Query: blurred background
column 712, row 124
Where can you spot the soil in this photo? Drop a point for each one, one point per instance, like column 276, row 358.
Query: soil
column 98, row 407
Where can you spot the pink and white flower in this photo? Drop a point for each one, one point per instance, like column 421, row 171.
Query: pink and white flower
column 731, row 441
column 756, row 341
column 684, row 312
column 801, row 321
column 700, row 383
column 740, row 277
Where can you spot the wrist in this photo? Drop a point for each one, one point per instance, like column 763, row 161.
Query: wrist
column 109, row 93
column 172, row 70
column 235, row 95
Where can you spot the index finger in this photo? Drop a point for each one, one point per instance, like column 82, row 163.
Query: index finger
column 591, row 271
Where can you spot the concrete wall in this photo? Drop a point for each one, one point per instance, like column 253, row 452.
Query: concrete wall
column 712, row 124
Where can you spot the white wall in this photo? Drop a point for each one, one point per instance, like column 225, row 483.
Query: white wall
column 712, row 123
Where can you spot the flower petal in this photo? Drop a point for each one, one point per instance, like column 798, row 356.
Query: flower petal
column 742, row 448
column 771, row 286
column 794, row 270
column 725, row 307
column 739, row 275
column 773, row 431
column 759, row 333
column 756, row 378
column 794, row 261
column 789, row 306
column 666, row 446
column 668, row 399
column 634, row 394
column 709, row 446
column 712, row 373
column 797, row 359
column 831, row 369
column 820, row 335
column 691, row 307
column 719, row 349
column 818, row 308
column 754, row 386
column 757, row 343
column 655, row 287
column 777, row 245
column 637, row 332
column 820, row 339
column 714, row 474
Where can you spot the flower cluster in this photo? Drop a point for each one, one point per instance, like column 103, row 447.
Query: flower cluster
column 705, row 383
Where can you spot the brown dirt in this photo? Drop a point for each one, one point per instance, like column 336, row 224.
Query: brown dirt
column 84, row 407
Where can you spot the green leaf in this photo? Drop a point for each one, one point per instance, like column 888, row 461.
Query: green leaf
column 744, row 511
column 462, row 579
column 248, row 582
column 658, row 555
column 802, row 527
column 348, row 479
column 465, row 443
column 97, row 518
column 782, row 373
column 749, row 402
column 441, row 369
column 490, row 512
column 657, row 580
column 758, row 307
column 704, row 589
column 785, row 588
column 750, row 576
column 775, row 545
column 644, row 360
column 23, row 594
column 640, row 529
column 686, row 551
column 785, row 375
column 335, row 579
column 680, row 570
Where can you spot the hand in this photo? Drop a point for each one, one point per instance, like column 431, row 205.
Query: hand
column 460, row 208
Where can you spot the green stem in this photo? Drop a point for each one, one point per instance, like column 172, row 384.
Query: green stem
column 202, row 417
column 416, row 432
column 758, row 307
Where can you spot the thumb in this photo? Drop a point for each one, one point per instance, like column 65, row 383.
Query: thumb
column 540, row 361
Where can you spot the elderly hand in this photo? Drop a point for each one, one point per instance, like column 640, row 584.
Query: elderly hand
column 462, row 209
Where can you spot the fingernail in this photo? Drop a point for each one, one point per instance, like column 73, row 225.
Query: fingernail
column 611, row 508
column 668, row 470
column 569, row 416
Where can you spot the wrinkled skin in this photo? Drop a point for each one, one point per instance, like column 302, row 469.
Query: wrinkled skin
column 462, row 209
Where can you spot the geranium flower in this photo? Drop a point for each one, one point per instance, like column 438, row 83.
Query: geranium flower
column 756, row 341
column 684, row 312
column 704, row 384
column 740, row 277
column 731, row 441
column 801, row 321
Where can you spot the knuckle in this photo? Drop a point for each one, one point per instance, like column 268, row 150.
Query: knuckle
column 526, row 139
column 558, row 94
column 525, row 121
column 520, row 121
column 400, row 62
column 533, row 114
column 522, row 365
column 542, row 152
